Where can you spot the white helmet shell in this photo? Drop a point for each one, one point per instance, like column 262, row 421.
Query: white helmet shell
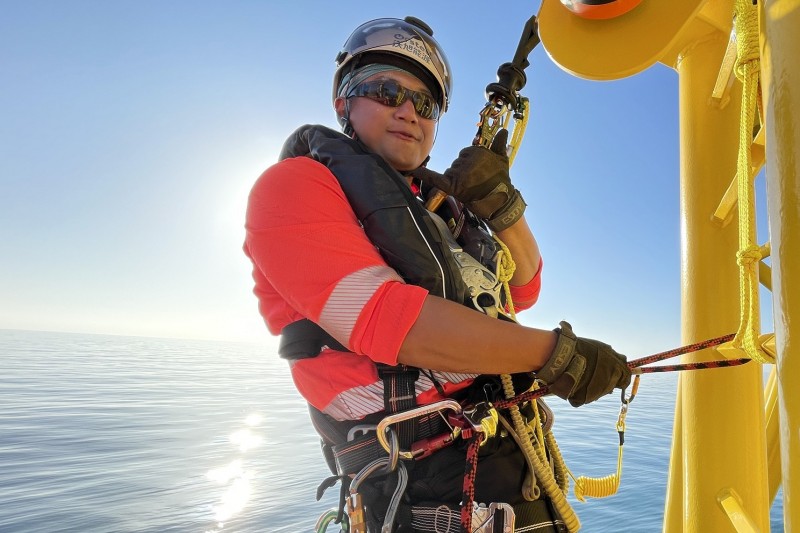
column 406, row 43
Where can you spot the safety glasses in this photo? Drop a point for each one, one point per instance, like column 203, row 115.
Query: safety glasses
column 392, row 94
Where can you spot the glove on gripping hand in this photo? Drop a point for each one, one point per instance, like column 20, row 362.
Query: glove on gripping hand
column 583, row 370
column 479, row 178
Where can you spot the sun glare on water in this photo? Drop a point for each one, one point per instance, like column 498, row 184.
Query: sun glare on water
column 234, row 476
column 245, row 439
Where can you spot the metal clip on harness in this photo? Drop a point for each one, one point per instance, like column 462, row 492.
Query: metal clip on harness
column 383, row 429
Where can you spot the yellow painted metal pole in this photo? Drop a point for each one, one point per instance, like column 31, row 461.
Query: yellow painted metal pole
column 673, row 507
column 772, row 431
column 780, row 42
column 721, row 432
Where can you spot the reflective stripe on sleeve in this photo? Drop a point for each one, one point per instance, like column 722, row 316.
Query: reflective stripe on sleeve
column 351, row 294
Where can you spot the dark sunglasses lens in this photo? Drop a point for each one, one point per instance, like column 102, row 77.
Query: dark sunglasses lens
column 425, row 106
column 393, row 94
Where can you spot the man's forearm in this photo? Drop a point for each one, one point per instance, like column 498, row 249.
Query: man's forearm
column 451, row 337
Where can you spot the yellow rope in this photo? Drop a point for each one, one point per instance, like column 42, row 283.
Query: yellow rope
column 520, row 125
column 749, row 254
column 599, row 487
column 608, row 485
column 505, row 271
column 559, row 466
column 555, row 480
column 534, row 454
column 541, row 469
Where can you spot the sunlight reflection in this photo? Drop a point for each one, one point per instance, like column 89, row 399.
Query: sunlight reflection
column 224, row 474
column 234, row 499
column 234, row 475
column 245, row 439
column 253, row 419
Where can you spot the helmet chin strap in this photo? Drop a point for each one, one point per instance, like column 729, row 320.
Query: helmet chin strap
column 344, row 120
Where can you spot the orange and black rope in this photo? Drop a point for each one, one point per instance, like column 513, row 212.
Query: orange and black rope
column 470, row 471
column 637, row 364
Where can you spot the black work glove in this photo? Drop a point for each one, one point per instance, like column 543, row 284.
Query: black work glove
column 583, row 370
column 479, row 179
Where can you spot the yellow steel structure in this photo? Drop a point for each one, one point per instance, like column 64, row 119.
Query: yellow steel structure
column 729, row 429
column 714, row 452
column 780, row 74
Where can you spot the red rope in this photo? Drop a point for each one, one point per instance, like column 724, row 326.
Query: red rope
column 524, row 397
column 468, row 492
column 637, row 363
column 680, row 351
column 692, row 366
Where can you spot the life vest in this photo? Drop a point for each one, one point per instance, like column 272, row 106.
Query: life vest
column 405, row 234
column 394, row 220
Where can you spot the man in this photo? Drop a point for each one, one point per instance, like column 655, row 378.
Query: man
column 372, row 296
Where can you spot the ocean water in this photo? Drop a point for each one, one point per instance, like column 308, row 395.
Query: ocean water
column 128, row 434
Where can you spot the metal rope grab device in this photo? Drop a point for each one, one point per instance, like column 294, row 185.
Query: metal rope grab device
column 503, row 97
column 504, row 102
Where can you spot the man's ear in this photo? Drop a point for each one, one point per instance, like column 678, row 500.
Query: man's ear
column 339, row 105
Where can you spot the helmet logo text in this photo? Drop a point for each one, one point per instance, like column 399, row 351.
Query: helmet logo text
column 414, row 47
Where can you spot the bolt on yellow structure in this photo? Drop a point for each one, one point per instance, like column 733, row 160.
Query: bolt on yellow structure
column 735, row 440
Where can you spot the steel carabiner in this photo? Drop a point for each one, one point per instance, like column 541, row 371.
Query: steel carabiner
column 383, row 425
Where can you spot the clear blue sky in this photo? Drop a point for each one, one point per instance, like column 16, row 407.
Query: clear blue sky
column 131, row 133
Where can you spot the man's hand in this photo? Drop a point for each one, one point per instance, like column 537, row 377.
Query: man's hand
column 479, row 178
column 583, row 370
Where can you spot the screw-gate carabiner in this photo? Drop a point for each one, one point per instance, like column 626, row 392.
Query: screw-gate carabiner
column 383, row 425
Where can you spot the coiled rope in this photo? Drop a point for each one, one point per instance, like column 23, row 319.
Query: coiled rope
column 535, row 452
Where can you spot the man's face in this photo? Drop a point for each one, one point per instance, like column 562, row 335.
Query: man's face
column 398, row 134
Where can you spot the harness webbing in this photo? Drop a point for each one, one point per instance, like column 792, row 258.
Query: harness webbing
column 399, row 395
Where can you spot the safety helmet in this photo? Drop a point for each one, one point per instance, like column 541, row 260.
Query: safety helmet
column 407, row 44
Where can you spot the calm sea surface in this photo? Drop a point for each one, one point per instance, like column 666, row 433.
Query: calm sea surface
column 129, row 434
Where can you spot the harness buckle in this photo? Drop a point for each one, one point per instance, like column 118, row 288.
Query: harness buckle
column 491, row 518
